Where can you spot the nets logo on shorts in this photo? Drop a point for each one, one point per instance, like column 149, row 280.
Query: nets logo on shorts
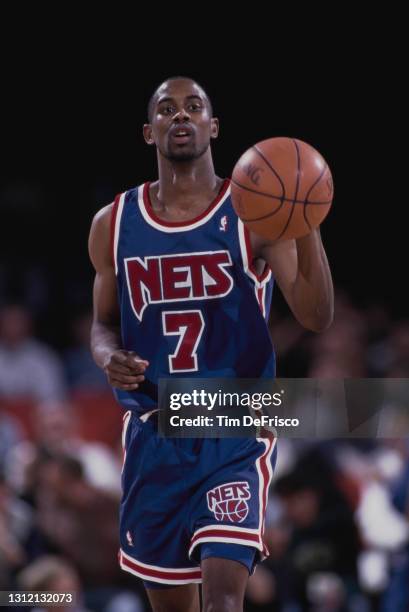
column 228, row 501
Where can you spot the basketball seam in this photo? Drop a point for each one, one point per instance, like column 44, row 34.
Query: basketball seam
column 308, row 193
column 270, row 214
column 274, row 197
column 297, row 186
column 272, row 169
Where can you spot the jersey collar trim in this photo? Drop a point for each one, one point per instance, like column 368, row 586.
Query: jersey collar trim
column 168, row 226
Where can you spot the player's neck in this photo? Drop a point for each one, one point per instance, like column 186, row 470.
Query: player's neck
column 186, row 181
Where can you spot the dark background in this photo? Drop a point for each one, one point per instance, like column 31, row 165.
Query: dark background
column 73, row 109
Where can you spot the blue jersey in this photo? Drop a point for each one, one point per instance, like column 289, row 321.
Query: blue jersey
column 191, row 303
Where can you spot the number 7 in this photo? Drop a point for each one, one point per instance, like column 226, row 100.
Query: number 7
column 189, row 325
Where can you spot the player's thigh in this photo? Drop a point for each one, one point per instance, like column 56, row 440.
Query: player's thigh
column 224, row 584
column 184, row 598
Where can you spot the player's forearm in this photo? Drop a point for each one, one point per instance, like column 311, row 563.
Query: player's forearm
column 105, row 339
column 313, row 291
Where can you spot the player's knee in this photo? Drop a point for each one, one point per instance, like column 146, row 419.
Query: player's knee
column 223, row 603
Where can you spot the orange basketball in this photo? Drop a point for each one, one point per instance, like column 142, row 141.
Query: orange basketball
column 282, row 188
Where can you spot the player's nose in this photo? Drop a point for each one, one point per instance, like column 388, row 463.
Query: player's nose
column 181, row 116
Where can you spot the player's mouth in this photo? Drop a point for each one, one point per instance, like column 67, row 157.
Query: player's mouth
column 181, row 135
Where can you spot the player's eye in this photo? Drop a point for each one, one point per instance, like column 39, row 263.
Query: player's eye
column 195, row 106
column 166, row 110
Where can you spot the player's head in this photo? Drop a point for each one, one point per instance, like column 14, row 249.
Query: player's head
column 180, row 120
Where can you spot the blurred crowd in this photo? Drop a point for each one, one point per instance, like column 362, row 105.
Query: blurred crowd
column 338, row 518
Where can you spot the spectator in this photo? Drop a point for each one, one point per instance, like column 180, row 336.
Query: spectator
column 28, row 368
column 81, row 371
column 56, row 431
column 324, row 538
column 10, row 435
column 16, row 519
column 80, row 520
column 340, row 351
column 397, row 594
column 52, row 573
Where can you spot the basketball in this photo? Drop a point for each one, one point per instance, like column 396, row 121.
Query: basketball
column 282, row 188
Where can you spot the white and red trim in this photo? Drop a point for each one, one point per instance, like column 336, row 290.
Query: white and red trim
column 265, row 472
column 126, row 421
column 146, row 415
column 152, row 219
column 116, row 216
column 227, row 535
column 260, row 280
column 240, row 535
column 154, row 573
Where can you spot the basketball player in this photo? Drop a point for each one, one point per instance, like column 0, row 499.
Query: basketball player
column 183, row 289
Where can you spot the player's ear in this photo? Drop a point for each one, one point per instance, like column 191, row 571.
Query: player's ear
column 214, row 127
column 148, row 134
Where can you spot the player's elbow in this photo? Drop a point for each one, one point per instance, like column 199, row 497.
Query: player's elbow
column 319, row 322
column 320, row 327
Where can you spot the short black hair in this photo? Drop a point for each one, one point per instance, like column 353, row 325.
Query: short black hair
column 151, row 102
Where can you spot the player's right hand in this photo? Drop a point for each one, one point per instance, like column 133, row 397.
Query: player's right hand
column 125, row 370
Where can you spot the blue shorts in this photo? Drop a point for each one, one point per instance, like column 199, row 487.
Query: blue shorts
column 180, row 494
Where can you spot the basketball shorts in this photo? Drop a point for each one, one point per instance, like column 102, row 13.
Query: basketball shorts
column 180, row 494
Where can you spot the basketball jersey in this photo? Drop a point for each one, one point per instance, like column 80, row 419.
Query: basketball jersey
column 191, row 302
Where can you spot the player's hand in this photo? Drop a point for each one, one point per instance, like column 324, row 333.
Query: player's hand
column 125, row 370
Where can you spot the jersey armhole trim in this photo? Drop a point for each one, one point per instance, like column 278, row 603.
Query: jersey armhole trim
column 260, row 280
column 250, row 257
column 116, row 215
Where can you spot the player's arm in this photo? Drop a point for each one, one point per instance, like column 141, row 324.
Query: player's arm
column 301, row 270
column 123, row 368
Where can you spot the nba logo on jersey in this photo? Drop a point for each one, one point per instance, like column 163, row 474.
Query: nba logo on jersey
column 228, row 501
column 223, row 224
